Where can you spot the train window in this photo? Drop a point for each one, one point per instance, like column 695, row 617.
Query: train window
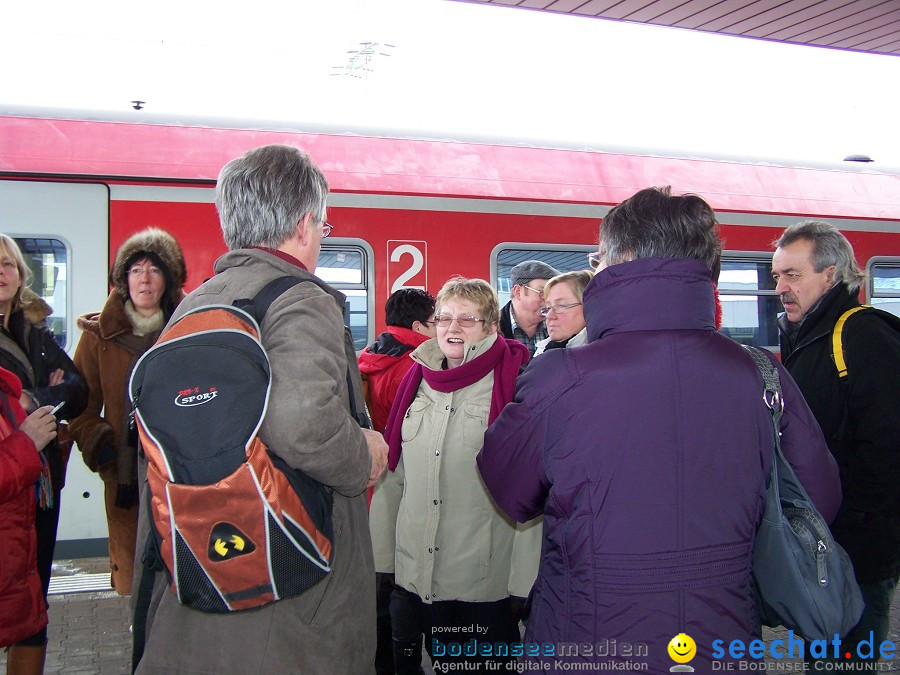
column 884, row 284
column 48, row 261
column 559, row 256
column 749, row 303
column 346, row 268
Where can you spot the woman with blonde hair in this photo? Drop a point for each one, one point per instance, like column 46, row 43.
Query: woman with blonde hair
column 433, row 522
column 47, row 377
column 147, row 279
column 563, row 311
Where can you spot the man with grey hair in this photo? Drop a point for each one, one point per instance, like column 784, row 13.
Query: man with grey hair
column 520, row 318
column 818, row 281
column 271, row 204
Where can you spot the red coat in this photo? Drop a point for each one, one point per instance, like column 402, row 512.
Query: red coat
column 384, row 364
column 22, row 609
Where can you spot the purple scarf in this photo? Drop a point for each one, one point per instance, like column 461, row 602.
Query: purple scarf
column 505, row 358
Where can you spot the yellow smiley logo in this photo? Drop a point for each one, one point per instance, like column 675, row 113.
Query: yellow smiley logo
column 682, row 648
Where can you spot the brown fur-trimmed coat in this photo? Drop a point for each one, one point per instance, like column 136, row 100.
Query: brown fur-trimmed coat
column 106, row 354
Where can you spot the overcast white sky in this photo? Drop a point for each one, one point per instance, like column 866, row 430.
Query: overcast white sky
column 455, row 69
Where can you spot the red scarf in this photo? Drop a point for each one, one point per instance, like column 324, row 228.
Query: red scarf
column 505, row 358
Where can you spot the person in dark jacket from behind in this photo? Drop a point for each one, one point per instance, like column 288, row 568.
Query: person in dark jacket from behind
column 817, row 279
column 647, row 450
column 409, row 315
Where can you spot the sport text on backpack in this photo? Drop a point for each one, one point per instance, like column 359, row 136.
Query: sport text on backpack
column 235, row 527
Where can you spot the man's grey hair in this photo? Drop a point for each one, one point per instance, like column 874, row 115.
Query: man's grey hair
column 262, row 195
column 654, row 223
column 830, row 247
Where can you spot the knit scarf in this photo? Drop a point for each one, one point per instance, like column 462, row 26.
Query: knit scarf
column 504, row 358
column 145, row 333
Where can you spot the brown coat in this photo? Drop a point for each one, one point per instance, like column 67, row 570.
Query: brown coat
column 331, row 627
column 106, row 353
column 106, row 365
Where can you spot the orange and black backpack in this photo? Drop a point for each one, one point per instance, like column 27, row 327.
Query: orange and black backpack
column 234, row 526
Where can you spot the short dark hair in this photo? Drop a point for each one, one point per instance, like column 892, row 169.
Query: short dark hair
column 654, row 223
column 407, row 305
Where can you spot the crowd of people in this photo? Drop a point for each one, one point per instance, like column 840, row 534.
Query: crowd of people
column 588, row 461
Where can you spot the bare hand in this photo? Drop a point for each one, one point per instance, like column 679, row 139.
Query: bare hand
column 40, row 426
column 379, row 451
column 56, row 377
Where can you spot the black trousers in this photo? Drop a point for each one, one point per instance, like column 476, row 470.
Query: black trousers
column 477, row 633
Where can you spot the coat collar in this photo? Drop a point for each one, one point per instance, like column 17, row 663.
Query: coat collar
column 429, row 353
column 34, row 307
column 818, row 322
column 251, row 256
column 110, row 321
column 650, row 294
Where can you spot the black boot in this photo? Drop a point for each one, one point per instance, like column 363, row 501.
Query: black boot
column 408, row 657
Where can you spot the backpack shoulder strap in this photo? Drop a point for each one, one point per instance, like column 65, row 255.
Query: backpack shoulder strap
column 258, row 305
column 837, row 343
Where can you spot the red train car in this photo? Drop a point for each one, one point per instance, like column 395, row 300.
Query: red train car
column 407, row 212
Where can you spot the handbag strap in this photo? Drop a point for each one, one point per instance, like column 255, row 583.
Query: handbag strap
column 772, row 395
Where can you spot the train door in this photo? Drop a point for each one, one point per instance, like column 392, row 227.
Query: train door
column 63, row 231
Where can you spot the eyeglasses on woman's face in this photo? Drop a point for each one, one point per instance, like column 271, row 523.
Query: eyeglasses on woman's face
column 138, row 271
column 444, row 321
column 558, row 309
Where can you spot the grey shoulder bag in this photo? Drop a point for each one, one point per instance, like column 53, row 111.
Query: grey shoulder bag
column 804, row 580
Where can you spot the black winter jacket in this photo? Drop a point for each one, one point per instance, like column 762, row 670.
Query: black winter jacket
column 29, row 350
column 861, row 422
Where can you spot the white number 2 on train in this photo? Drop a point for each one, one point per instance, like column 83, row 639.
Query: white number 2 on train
column 416, row 266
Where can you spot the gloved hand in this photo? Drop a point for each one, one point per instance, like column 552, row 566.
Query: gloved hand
column 126, row 495
column 107, row 454
column 519, row 608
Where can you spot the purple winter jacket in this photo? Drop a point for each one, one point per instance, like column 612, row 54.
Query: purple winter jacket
column 647, row 450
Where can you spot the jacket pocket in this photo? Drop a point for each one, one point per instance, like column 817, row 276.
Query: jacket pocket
column 475, row 419
column 412, row 420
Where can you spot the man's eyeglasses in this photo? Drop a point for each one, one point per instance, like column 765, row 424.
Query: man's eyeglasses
column 444, row 321
column 594, row 259
column 558, row 309
column 536, row 290
column 327, row 228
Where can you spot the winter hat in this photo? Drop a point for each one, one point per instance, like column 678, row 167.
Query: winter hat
column 528, row 270
column 163, row 250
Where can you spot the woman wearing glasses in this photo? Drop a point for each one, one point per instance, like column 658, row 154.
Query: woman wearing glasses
column 147, row 278
column 562, row 311
column 450, row 543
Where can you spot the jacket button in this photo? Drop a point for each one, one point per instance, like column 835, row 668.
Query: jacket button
column 431, row 550
column 427, row 597
column 435, row 502
column 437, row 453
column 447, row 407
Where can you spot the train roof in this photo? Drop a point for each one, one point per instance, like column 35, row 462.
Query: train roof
column 101, row 146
